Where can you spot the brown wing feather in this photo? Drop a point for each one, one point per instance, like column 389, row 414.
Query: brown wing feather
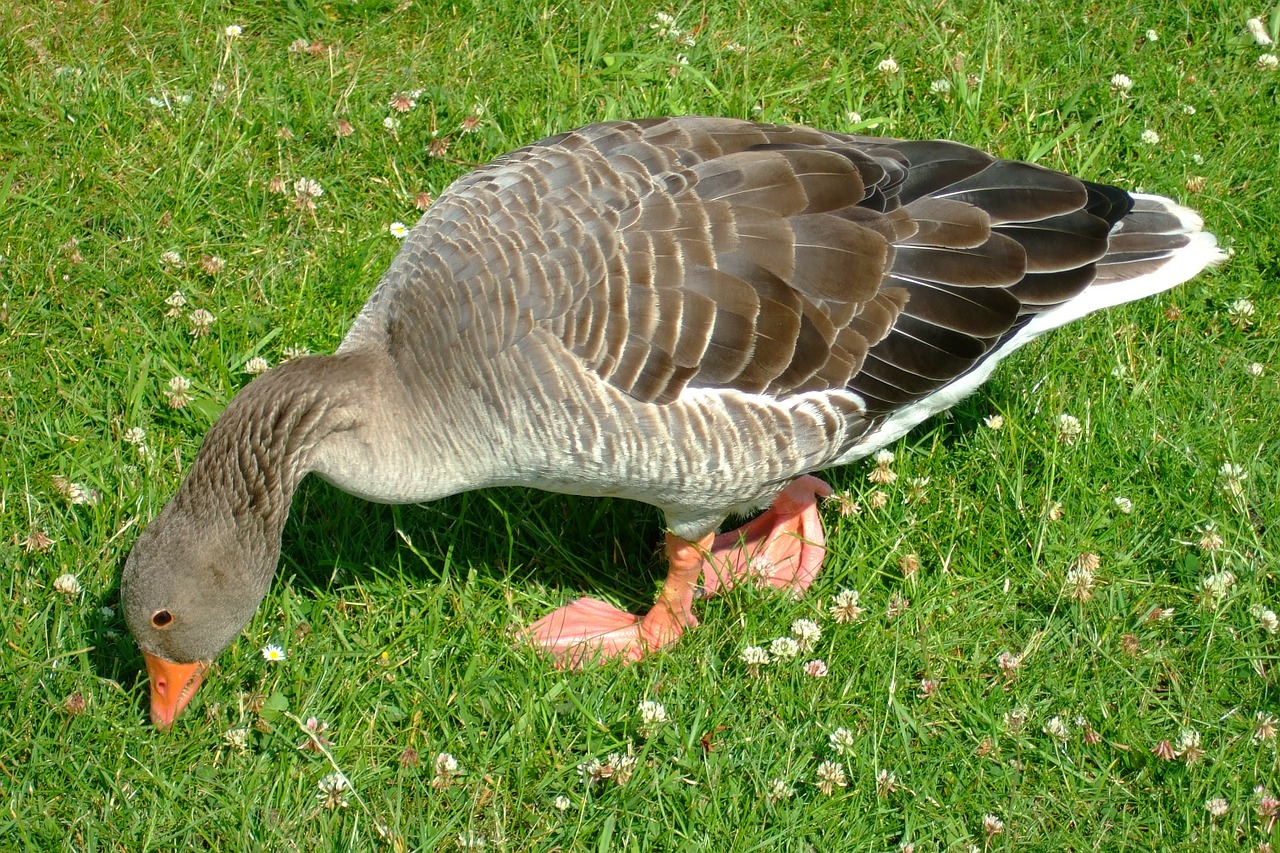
column 715, row 253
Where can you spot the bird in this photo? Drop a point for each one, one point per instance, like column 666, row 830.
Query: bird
column 698, row 313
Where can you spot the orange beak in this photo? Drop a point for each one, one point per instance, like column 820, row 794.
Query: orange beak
column 172, row 686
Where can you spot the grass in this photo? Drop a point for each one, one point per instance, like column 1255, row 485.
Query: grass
column 397, row 621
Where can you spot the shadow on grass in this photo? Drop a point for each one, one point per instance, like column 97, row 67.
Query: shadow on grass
column 505, row 535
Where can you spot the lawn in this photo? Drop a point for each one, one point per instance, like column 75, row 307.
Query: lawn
column 1064, row 635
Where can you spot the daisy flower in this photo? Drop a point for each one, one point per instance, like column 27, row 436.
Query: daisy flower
column 274, row 653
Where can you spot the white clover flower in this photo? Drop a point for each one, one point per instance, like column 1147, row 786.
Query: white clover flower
column 1150, row 137
column 940, row 87
column 807, row 632
column 591, row 771
column 333, row 791
column 755, row 657
column 1121, row 82
column 171, row 259
column 1079, row 583
column 652, row 717
column 562, row 803
column 1268, row 62
column 1152, row 35
column 1210, row 538
column 622, row 766
column 391, row 123
column 177, row 392
column 831, row 776
column 176, row 302
column 1265, row 729
column 992, row 825
column 1266, row 618
column 1231, row 471
column 1216, row 806
column 80, row 494
column 446, row 768
column 883, row 458
column 1255, row 369
column 307, row 188
column 1069, row 429
column 1217, row 585
column 135, row 435
column 844, row 607
column 256, row 365
column 1198, row 159
column 1189, row 110
column 852, row 118
column 66, row 584
column 237, row 738
column 816, row 668
column 779, row 790
column 233, row 31
column 1124, row 505
column 888, row 66
column 1056, row 728
column 1258, row 30
column 201, row 320
column 398, row 229
column 1241, row 312
column 994, row 421
column 1015, row 720
column 784, row 647
column 886, row 782
column 882, row 474
column 841, row 741
column 1232, row 478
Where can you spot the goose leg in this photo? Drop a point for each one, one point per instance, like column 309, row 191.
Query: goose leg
column 784, row 547
column 590, row 629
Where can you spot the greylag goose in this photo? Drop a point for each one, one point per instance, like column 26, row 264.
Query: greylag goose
column 692, row 312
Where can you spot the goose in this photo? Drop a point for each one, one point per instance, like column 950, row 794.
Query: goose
column 697, row 313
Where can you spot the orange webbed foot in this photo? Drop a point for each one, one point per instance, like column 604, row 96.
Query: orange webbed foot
column 784, row 547
column 588, row 629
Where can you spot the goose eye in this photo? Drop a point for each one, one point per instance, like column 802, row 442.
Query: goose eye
column 161, row 619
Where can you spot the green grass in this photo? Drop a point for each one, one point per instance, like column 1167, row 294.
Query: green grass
column 398, row 621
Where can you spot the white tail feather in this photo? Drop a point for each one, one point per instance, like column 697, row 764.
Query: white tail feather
column 1185, row 263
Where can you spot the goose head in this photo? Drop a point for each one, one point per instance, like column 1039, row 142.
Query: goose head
column 191, row 583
